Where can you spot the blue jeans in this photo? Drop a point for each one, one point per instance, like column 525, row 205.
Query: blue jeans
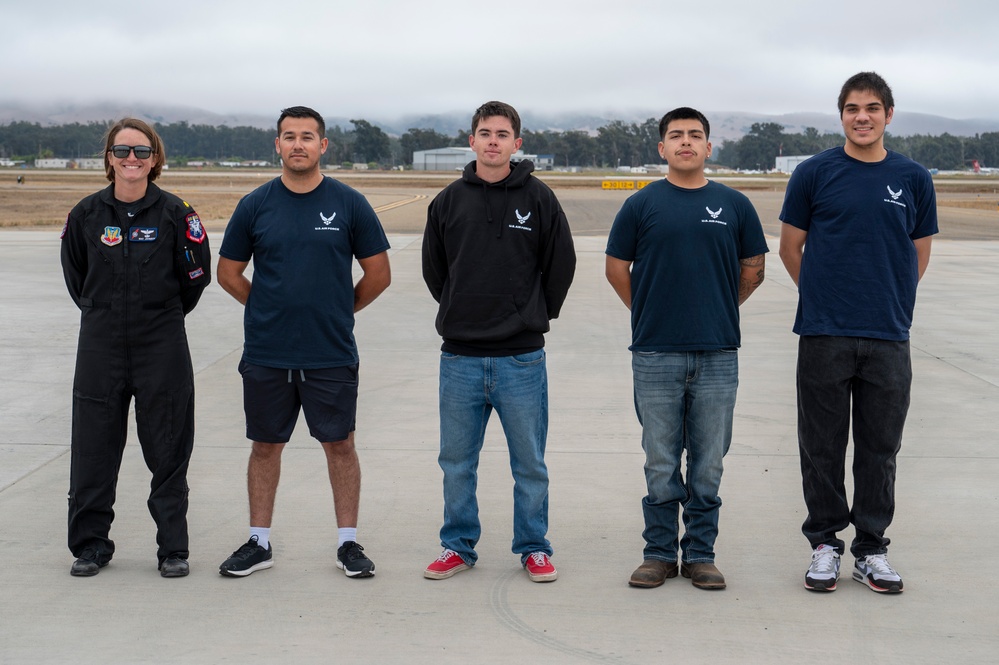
column 685, row 401
column 876, row 375
column 470, row 388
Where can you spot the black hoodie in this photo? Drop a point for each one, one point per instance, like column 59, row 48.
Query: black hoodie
column 499, row 259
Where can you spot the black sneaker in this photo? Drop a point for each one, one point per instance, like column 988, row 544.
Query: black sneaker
column 249, row 558
column 89, row 563
column 352, row 562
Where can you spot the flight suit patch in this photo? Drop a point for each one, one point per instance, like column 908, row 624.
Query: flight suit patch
column 112, row 236
column 142, row 233
column 195, row 231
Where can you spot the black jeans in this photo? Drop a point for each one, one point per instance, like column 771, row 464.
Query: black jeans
column 877, row 375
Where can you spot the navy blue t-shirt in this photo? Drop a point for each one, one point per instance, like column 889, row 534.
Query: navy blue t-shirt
column 685, row 246
column 300, row 313
column 859, row 268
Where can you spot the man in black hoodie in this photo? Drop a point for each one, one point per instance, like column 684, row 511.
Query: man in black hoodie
column 498, row 257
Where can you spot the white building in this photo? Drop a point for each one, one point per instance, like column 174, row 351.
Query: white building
column 52, row 163
column 455, row 159
column 786, row 164
column 544, row 162
column 442, row 159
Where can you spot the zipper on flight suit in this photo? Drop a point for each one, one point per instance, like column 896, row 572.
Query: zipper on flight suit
column 124, row 304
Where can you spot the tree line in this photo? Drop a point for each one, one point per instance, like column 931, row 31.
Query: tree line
column 764, row 141
column 615, row 144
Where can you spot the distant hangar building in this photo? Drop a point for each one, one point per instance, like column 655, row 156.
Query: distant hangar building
column 788, row 163
column 442, row 159
column 455, row 159
column 66, row 163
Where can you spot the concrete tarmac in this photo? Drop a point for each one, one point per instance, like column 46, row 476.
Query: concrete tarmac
column 304, row 610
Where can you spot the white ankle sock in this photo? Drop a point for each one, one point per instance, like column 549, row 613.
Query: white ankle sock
column 263, row 535
column 345, row 534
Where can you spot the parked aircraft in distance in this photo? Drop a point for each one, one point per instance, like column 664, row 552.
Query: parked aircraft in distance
column 978, row 168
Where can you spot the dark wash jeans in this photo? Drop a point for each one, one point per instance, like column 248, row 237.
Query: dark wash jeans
column 877, row 375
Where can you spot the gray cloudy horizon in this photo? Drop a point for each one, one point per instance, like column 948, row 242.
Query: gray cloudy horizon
column 391, row 58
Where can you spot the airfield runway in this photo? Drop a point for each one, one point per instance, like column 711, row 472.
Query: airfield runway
column 305, row 611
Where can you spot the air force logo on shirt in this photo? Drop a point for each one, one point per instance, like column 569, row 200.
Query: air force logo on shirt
column 521, row 221
column 714, row 215
column 895, row 196
column 327, row 222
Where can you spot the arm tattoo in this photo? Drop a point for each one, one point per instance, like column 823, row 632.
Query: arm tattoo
column 747, row 286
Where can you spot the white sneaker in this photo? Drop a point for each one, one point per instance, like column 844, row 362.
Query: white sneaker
column 823, row 572
column 875, row 571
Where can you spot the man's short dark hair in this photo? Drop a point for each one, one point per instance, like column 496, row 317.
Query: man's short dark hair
column 866, row 82
column 684, row 113
column 491, row 109
column 302, row 112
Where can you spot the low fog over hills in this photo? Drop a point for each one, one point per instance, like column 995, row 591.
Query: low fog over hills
column 724, row 124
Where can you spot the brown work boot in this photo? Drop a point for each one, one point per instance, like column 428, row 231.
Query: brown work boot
column 703, row 575
column 652, row 573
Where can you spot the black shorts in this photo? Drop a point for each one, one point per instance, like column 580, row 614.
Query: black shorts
column 272, row 399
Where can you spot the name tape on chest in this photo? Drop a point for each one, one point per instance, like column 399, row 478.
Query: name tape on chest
column 143, row 233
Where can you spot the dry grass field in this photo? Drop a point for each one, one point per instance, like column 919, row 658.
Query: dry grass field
column 46, row 197
column 968, row 206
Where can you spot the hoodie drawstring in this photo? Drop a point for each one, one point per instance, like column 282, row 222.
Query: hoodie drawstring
column 489, row 212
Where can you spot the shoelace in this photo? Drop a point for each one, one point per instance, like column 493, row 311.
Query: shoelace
column 879, row 562
column 824, row 560
column 247, row 548
column 354, row 552
column 446, row 554
column 540, row 558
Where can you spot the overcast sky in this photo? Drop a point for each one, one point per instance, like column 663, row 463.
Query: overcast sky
column 388, row 58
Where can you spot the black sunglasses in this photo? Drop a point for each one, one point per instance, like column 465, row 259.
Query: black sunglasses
column 141, row 151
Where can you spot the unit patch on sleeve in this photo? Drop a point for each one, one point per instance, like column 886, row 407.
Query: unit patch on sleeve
column 142, row 233
column 195, row 231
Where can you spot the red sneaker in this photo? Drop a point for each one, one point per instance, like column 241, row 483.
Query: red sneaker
column 540, row 568
column 446, row 565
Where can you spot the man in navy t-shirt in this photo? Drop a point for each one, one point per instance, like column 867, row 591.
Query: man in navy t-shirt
column 683, row 254
column 855, row 238
column 302, row 232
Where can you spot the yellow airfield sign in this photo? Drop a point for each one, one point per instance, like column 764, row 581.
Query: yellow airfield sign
column 623, row 184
